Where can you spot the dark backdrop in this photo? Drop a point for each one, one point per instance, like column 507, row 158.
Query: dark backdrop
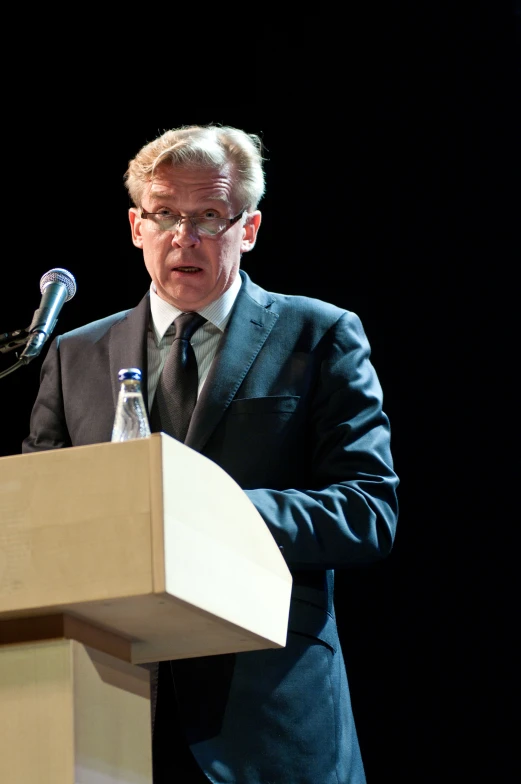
column 392, row 190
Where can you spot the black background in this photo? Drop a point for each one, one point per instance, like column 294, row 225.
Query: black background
column 393, row 176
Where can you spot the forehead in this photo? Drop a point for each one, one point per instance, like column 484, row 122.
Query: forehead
column 184, row 184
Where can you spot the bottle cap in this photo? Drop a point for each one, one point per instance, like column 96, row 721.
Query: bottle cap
column 129, row 373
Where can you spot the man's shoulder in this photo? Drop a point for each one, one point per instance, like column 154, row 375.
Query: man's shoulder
column 310, row 306
column 295, row 305
column 96, row 330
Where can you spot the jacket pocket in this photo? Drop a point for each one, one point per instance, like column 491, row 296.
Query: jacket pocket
column 312, row 621
column 259, row 441
column 276, row 404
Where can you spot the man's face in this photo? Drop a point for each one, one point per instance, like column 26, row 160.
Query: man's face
column 188, row 269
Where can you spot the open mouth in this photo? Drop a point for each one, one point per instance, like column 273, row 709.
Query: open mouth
column 188, row 270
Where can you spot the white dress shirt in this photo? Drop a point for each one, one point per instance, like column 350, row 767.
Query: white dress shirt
column 204, row 340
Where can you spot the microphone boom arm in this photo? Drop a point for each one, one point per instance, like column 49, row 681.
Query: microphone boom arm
column 9, row 341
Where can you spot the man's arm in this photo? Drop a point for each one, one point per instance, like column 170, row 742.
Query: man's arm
column 349, row 514
column 48, row 429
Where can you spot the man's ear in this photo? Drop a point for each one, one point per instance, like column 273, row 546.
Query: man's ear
column 135, row 225
column 250, row 229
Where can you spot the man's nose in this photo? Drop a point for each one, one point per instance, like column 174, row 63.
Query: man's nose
column 185, row 233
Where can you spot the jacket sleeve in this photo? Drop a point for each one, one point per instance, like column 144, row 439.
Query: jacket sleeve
column 348, row 513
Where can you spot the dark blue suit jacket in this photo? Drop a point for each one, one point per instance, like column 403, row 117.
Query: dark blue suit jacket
column 292, row 410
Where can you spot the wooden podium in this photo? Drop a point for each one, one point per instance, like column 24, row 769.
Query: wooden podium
column 111, row 556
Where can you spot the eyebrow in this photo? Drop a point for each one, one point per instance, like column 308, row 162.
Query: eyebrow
column 166, row 195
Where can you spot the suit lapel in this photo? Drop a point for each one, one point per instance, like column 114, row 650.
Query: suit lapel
column 128, row 345
column 250, row 324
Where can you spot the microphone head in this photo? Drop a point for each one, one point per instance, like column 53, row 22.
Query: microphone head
column 59, row 275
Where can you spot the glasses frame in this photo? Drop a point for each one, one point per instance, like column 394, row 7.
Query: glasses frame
column 230, row 221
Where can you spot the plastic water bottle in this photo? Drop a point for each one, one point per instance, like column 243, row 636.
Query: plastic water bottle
column 131, row 419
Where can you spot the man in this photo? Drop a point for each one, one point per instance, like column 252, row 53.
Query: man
column 290, row 406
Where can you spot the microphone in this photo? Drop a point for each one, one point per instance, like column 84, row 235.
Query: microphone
column 57, row 287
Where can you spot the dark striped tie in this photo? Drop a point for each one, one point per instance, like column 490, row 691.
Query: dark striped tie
column 176, row 393
column 172, row 409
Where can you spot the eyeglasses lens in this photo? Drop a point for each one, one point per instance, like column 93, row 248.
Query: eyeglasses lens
column 202, row 225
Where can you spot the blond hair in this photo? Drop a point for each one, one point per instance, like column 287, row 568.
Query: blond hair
column 204, row 146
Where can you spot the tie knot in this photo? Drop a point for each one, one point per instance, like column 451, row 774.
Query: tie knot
column 186, row 324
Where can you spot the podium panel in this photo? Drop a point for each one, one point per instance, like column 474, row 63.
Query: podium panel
column 147, row 540
column 72, row 715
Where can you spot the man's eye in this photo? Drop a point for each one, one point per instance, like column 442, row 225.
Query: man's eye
column 209, row 214
column 166, row 214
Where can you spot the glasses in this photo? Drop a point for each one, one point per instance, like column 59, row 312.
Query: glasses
column 207, row 225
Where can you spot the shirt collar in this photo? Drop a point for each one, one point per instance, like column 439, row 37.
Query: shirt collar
column 217, row 312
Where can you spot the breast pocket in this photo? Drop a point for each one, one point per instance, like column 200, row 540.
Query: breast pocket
column 258, row 441
column 263, row 413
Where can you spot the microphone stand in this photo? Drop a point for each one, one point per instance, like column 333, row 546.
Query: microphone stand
column 9, row 341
